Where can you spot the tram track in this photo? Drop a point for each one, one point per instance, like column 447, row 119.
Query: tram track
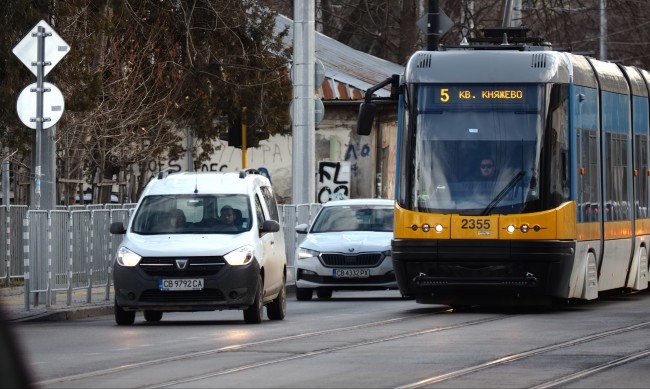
column 538, row 351
column 192, row 376
column 593, row 370
column 244, row 346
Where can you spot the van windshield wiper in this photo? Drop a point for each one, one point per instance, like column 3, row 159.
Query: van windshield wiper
column 502, row 194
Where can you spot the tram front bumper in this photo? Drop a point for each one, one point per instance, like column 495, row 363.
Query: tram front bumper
column 440, row 271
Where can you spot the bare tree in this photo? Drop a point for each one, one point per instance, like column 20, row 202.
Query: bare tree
column 141, row 72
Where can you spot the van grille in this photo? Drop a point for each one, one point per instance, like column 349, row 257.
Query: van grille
column 184, row 296
column 196, row 266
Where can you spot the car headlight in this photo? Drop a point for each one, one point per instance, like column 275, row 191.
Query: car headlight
column 126, row 257
column 386, row 253
column 240, row 256
column 306, row 253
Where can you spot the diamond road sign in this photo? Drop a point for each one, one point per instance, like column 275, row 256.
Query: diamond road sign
column 444, row 23
column 55, row 49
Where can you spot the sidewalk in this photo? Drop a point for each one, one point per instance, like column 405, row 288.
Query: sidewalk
column 12, row 301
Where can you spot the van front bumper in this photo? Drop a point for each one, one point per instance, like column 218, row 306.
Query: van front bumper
column 229, row 287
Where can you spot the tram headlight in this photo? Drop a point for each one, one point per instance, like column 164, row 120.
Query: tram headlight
column 524, row 228
column 426, row 227
column 439, row 228
column 511, row 229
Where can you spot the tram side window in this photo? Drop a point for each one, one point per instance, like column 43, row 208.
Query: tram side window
column 588, row 200
column 616, row 127
column 640, row 124
column 616, row 194
column 641, row 153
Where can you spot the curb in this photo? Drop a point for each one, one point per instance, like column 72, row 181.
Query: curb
column 12, row 291
column 77, row 313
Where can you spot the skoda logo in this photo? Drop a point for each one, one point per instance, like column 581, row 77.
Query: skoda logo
column 351, row 249
column 181, row 264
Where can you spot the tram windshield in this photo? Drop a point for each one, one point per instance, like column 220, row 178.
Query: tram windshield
column 477, row 148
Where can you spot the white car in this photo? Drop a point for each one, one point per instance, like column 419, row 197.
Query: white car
column 347, row 247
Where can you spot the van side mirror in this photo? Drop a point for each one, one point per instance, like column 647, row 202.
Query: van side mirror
column 117, row 228
column 302, row 228
column 366, row 118
column 270, row 226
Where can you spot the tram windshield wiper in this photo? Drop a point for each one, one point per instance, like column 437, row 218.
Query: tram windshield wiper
column 502, row 194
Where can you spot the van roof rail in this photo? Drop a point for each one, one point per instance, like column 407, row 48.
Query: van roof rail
column 245, row 172
column 161, row 174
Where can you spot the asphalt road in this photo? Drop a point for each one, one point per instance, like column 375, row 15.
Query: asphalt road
column 354, row 340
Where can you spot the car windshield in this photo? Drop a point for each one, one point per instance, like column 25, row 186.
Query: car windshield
column 354, row 218
column 191, row 214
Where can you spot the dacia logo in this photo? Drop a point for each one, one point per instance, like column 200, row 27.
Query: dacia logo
column 181, row 264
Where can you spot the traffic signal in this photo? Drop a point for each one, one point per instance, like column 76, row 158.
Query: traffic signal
column 234, row 136
column 253, row 137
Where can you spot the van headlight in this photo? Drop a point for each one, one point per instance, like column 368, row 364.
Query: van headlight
column 240, row 256
column 126, row 257
column 306, row 253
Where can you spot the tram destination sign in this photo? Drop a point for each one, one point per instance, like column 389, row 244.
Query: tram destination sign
column 484, row 94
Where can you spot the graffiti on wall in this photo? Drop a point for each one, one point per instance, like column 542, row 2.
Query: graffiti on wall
column 333, row 181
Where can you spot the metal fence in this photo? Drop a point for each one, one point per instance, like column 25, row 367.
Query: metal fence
column 64, row 250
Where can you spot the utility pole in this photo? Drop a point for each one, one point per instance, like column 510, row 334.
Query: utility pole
column 188, row 152
column 5, row 182
column 303, row 125
column 433, row 23
column 603, row 30
column 507, row 14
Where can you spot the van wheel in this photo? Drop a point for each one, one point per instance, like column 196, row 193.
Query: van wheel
column 303, row 294
column 276, row 309
column 324, row 293
column 153, row 315
column 122, row 317
column 253, row 314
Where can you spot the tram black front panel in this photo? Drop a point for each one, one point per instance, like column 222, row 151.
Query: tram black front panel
column 443, row 269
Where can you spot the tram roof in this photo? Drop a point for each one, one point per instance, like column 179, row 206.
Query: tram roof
column 468, row 66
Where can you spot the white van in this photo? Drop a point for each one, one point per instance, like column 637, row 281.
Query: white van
column 201, row 242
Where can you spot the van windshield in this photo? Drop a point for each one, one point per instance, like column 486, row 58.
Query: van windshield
column 192, row 214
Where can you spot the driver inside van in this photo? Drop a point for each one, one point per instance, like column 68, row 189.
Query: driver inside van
column 177, row 219
column 228, row 216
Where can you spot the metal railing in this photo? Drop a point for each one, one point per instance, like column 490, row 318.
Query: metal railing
column 64, row 250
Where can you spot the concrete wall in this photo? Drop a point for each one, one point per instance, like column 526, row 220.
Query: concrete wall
column 371, row 168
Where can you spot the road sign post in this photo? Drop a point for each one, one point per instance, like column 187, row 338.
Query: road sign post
column 40, row 59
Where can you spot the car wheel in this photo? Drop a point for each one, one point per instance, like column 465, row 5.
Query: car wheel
column 122, row 317
column 303, row 294
column 276, row 309
column 324, row 293
column 253, row 314
column 153, row 315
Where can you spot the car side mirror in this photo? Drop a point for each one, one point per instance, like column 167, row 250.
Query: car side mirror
column 270, row 226
column 302, row 228
column 117, row 228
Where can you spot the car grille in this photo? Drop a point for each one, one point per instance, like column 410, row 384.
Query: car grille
column 196, row 266
column 372, row 280
column 184, row 296
column 351, row 260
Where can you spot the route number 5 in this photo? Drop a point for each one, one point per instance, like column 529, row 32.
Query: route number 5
column 444, row 95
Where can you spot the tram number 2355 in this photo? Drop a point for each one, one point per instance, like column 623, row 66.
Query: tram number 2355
column 475, row 224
